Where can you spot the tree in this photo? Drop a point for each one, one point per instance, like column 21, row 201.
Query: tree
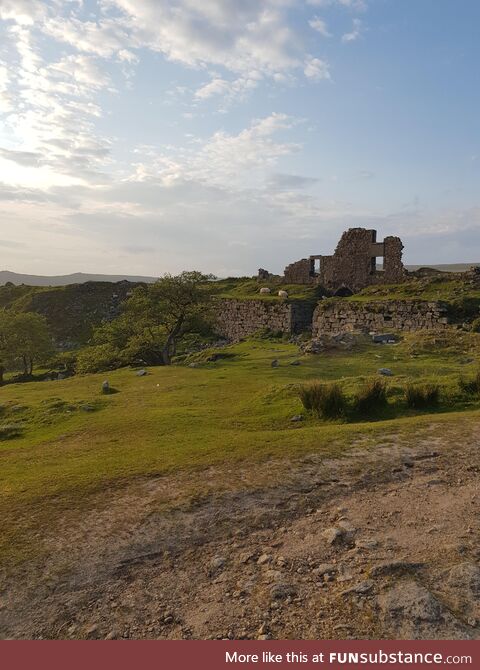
column 157, row 316
column 24, row 339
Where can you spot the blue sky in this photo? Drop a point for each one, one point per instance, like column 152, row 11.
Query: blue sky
column 144, row 136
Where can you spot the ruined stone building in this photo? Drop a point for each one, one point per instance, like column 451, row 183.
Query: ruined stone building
column 353, row 266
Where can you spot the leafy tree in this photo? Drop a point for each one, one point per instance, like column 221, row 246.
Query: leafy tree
column 99, row 358
column 24, row 339
column 157, row 317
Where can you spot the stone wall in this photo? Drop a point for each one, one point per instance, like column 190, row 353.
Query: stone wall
column 340, row 316
column 240, row 318
column 354, row 262
column 300, row 272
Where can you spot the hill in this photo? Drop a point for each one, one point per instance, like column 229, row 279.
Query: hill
column 82, row 277
column 66, row 280
column 446, row 267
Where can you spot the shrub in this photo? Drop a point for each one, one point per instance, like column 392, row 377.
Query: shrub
column 326, row 400
column 420, row 397
column 98, row 358
column 372, row 397
column 470, row 386
column 9, row 431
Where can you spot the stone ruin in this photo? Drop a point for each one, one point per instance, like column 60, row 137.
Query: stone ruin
column 353, row 266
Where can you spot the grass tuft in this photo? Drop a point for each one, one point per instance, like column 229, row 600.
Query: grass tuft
column 372, row 397
column 326, row 400
column 9, row 431
column 470, row 386
column 421, row 397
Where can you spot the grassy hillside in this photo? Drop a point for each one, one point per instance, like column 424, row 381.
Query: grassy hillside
column 71, row 311
column 72, row 441
column 429, row 288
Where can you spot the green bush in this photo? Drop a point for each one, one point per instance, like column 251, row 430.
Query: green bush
column 470, row 386
column 421, row 397
column 9, row 431
column 99, row 358
column 326, row 400
column 372, row 397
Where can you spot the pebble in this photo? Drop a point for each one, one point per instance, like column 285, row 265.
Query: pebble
column 264, row 558
column 282, row 591
column 216, row 564
column 360, row 589
column 366, row 544
column 324, row 568
column 333, row 535
column 91, row 630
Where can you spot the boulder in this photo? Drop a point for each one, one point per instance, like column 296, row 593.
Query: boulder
column 384, row 339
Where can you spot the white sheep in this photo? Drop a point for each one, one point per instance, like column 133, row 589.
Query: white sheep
column 265, row 290
column 283, row 294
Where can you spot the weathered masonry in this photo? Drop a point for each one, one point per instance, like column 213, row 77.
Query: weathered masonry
column 342, row 316
column 353, row 266
column 240, row 318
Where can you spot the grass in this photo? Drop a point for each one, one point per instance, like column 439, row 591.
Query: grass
column 422, row 396
column 249, row 289
column 326, row 400
column 9, row 431
column 76, row 442
column 429, row 288
column 471, row 386
column 372, row 398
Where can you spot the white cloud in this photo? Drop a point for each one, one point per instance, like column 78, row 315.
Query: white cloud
column 355, row 33
column 355, row 5
column 224, row 160
column 48, row 108
column 105, row 37
column 320, row 26
column 6, row 100
column 240, row 36
column 316, row 69
column 228, row 91
column 216, row 86
column 23, row 12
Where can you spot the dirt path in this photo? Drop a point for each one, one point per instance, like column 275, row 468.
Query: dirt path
column 383, row 543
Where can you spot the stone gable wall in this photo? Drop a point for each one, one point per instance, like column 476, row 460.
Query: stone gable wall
column 341, row 316
column 240, row 318
column 300, row 272
column 353, row 263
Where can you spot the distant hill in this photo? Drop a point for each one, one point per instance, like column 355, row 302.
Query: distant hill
column 82, row 277
column 65, row 280
column 448, row 267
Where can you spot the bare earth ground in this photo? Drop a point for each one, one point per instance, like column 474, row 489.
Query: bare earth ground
column 381, row 543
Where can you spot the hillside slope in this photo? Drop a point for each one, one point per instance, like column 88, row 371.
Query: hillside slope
column 65, row 280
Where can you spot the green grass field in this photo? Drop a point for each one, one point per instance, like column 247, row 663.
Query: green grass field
column 74, row 441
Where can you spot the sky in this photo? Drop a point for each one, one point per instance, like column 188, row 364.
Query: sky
column 152, row 136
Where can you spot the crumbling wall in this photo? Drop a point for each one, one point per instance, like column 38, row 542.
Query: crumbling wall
column 240, row 318
column 393, row 269
column 263, row 275
column 343, row 316
column 300, row 272
column 353, row 264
